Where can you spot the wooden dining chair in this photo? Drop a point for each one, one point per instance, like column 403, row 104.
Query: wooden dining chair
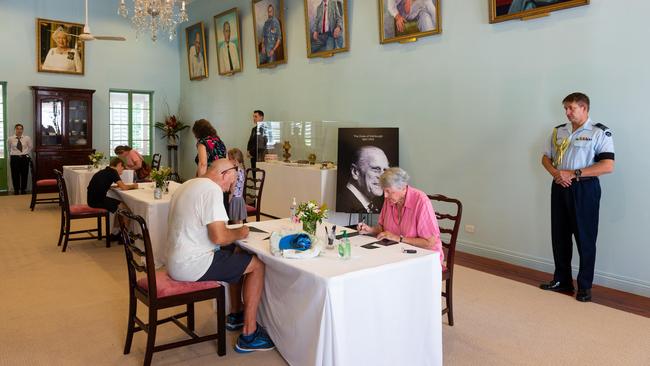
column 253, row 191
column 157, row 291
column 42, row 186
column 449, row 224
column 74, row 212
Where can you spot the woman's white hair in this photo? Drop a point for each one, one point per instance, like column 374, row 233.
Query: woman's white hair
column 394, row 177
column 60, row 29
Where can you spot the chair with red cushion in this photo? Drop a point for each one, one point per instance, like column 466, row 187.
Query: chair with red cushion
column 73, row 212
column 253, row 191
column 158, row 291
column 42, row 186
column 449, row 224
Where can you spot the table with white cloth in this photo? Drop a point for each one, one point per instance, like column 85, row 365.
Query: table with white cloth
column 381, row 307
column 77, row 178
column 141, row 202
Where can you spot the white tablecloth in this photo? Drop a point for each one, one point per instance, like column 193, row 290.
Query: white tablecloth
column 141, row 202
column 305, row 182
column 382, row 307
column 77, row 178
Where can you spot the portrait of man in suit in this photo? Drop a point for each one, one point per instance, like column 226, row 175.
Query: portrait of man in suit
column 226, row 26
column 326, row 25
column 363, row 191
column 363, row 156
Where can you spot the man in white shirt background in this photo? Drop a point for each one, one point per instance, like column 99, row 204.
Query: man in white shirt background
column 20, row 148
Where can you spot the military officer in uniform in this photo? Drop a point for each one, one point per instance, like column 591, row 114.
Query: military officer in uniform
column 577, row 153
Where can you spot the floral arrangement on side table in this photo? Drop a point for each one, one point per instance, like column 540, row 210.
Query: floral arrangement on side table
column 310, row 213
column 171, row 129
column 160, row 176
column 96, row 159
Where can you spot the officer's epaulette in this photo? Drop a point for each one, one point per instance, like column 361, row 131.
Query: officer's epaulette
column 558, row 126
column 602, row 126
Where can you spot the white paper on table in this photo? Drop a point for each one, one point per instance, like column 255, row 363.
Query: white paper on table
column 255, row 236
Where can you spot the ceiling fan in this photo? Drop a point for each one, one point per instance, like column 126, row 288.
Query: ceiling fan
column 87, row 36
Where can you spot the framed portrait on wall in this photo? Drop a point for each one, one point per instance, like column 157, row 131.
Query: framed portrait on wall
column 363, row 155
column 326, row 24
column 270, row 41
column 502, row 10
column 59, row 48
column 227, row 32
column 197, row 62
column 407, row 20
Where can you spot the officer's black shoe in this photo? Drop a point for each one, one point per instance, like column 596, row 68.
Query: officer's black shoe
column 556, row 286
column 584, row 295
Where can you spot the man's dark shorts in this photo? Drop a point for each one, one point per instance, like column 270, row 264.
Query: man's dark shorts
column 109, row 204
column 227, row 266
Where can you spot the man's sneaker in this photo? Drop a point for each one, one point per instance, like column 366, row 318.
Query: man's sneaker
column 257, row 341
column 235, row 321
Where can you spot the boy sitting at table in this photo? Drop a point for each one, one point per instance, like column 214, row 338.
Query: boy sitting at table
column 99, row 185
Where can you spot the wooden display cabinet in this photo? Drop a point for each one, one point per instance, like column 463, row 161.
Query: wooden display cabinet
column 63, row 128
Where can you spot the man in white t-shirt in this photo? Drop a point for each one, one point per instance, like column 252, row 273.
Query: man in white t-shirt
column 199, row 250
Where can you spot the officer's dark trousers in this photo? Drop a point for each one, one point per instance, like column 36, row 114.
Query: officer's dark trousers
column 574, row 211
column 19, row 165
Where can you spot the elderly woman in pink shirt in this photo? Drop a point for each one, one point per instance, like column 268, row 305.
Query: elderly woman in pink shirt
column 407, row 215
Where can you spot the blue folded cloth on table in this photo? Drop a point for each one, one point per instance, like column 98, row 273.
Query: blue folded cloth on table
column 295, row 241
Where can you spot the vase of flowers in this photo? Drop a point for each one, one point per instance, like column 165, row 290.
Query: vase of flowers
column 96, row 159
column 171, row 129
column 310, row 213
column 160, row 178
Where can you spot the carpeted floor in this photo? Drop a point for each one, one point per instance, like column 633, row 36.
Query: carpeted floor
column 70, row 309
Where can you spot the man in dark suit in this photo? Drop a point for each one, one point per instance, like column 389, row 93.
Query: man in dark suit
column 363, row 191
column 257, row 141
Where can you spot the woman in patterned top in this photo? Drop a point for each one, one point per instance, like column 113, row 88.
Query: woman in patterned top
column 209, row 146
column 237, row 211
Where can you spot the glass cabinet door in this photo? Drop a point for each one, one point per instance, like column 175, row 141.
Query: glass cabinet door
column 51, row 122
column 77, row 128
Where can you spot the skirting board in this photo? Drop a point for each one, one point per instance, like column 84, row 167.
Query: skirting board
column 611, row 280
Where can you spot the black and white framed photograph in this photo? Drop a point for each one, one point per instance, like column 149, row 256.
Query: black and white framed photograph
column 363, row 155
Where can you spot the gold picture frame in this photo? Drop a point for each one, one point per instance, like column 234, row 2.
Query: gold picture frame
column 503, row 10
column 58, row 47
column 326, row 38
column 265, row 30
column 197, row 58
column 229, row 55
column 396, row 25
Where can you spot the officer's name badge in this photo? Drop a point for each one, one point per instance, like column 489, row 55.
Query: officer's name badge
column 583, row 138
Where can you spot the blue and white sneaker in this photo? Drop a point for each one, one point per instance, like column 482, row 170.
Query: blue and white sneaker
column 257, row 341
column 235, row 321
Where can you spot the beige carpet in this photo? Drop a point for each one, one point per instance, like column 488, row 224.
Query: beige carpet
column 70, row 309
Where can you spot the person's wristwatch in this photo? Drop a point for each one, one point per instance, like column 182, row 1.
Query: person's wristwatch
column 578, row 173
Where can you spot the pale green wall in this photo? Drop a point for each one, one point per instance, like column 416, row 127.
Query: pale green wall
column 134, row 64
column 474, row 106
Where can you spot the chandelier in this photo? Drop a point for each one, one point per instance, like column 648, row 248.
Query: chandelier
column 151, row 16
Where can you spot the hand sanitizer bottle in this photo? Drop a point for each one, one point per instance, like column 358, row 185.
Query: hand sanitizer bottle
column 345, row 249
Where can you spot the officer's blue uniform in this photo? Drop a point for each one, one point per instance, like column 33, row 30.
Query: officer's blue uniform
column 574, row 210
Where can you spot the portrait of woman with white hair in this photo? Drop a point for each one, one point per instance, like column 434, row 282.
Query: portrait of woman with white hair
column 65, row 53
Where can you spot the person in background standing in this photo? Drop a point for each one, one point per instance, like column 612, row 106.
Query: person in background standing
column 237, row 211
column 256, row 146
column 209, row 146
column 576, row 154
column 20, row 148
